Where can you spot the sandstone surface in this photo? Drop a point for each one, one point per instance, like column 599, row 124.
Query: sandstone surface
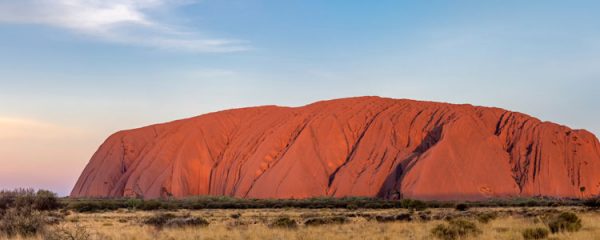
column 364, row 146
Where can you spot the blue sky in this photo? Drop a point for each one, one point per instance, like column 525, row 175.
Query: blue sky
column 74, row 71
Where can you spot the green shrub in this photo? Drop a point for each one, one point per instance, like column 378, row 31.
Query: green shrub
column 150, row 205
column 535, row 233
column 455, row 229
column 284, row 222
column 96, row 205
column 134, row 203
column 565, row 222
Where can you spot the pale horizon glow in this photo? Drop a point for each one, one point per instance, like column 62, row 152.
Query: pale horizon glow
column 72, row 72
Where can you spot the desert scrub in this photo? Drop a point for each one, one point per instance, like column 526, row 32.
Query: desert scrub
column 326, row 220
column 134, row 203
column 159, row 219
column 486, row 217
column 424, row 216
column 535, row 233
column 455, row 229
column 565, row 222
column 350, row 203
column 76, row 232
column 96, row 206
column 391, row 218
column 188, row 221
column 284, row 222
column 413, row 204
column 41, row 200
column 45, row 200
column 21, row 221
column 461, row 207
column 170, row 220
column 593, row 203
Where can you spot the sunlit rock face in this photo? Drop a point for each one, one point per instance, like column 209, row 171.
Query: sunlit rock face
column 365, row 146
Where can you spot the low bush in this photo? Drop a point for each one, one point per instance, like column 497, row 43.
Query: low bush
column 387, row 218
column 455, row 229
column 170, row 220
column 352, row 206
column 425, row 216
column 159, row 220
column 461, row 207
column 413, row 204
column 150, row 205
column 593, row 203
column 134, row 203
column 535, row 233
column 22, row 221
column 392, row 218
column 222, row 202
column 326, row 220
column 486, row 217
column 179, row 222
column 67, row 233
column 237, row 224
column 284, row 222
column 22, row 198
column 41, row 200
column 565, row 222
column 96, row 205
column 84, row 206
column 45, row 200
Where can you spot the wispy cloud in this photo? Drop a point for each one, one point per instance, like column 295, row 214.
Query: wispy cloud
column 118, row 21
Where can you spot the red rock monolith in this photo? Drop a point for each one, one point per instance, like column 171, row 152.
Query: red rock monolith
column 365, row 146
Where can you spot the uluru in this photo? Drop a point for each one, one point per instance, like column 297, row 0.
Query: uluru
column 363, row 146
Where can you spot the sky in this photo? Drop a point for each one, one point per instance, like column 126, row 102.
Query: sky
column 74, row 71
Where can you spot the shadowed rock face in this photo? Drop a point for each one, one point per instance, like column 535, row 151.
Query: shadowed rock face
column 365, row 146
